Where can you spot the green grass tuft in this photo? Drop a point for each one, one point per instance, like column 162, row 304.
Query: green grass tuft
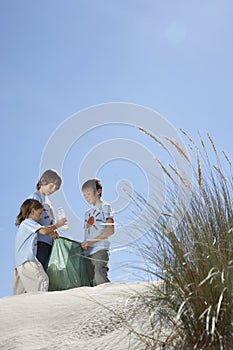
column 194, row 261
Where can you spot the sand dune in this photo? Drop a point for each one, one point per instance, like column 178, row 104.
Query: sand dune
column 73, row 319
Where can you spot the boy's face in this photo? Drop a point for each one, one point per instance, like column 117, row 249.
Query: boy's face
column 91, row 196
column 49, row 188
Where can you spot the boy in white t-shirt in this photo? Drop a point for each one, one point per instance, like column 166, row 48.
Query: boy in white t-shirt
column 99, row 225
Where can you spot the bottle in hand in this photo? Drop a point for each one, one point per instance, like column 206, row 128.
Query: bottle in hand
column 61, row 214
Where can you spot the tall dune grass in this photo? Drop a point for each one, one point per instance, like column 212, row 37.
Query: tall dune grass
column 194, row 261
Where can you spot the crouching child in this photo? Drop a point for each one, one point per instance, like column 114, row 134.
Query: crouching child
column 29, row 274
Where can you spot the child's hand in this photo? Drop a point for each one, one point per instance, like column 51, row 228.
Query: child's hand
column 54, row 235
column 61, row 222
column 84, row 245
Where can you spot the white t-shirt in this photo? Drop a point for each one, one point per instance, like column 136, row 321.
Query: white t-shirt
column 95, row 224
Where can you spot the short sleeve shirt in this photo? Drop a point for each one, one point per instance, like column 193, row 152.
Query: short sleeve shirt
column 26, row 241
column 95, row 224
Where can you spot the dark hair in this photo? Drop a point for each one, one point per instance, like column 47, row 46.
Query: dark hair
column 94, row 184
column 26, row 209
column 49, row 176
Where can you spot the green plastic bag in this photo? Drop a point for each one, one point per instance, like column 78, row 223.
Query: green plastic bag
column 66, row 267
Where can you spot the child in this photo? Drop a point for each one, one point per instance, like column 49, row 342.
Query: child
column 49, row 182
column 99, row 225
column 29, row 275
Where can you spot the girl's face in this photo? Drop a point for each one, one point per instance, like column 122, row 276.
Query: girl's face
column 48, row 189
column 92, row 197
column 36, row 214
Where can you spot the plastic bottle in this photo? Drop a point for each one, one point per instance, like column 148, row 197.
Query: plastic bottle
column 61, row 214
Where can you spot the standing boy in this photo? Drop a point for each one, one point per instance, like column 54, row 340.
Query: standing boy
column 49, row 182
column 99, row 225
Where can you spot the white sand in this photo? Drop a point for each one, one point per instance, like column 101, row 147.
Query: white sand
column 71, row 319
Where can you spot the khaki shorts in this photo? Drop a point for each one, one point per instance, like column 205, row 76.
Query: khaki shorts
column 30, row 277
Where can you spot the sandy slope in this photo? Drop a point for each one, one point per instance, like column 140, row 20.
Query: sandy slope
column 72, row 319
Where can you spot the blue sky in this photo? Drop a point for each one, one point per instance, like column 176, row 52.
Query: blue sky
column 60, row 57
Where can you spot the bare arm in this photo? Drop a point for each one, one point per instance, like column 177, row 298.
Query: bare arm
column 52, row 213
column 47, row 230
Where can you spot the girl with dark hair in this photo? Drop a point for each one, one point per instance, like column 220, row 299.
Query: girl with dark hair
column 29, row 274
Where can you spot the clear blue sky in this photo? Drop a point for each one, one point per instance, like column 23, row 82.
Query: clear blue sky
column 59, row 57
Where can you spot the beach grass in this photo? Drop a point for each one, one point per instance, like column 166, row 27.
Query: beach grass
column 193, row 260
